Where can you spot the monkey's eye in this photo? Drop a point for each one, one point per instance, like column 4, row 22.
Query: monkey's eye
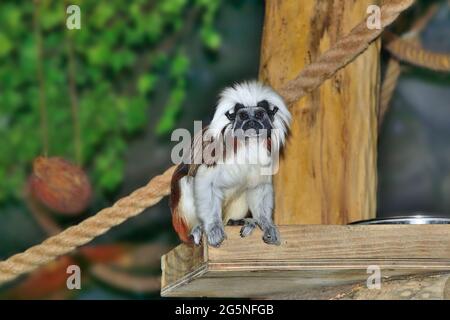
column 243, row 115
column 259, row 114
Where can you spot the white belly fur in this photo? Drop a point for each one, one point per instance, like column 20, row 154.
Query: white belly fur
column 234, row 182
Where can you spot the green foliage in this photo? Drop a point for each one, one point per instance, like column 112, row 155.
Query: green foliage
column 121, row 52
column 210, row 37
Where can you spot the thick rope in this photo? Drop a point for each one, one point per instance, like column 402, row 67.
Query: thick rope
column 87, row 230
column 391, row 76
column 342, row 53
column 414, row 54
column 394, row 70
column 422, row 22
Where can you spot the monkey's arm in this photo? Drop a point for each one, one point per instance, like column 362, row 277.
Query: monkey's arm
column 208, row 201
column 260, row 202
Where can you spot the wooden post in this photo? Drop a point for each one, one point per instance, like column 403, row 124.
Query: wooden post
column 328, row 172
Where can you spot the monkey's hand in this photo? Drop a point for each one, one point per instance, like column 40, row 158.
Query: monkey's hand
column 196, row 235
column 271, row 235
column 215, row 235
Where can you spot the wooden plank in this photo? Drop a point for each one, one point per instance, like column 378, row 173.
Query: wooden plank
column 422, row 286
column 328, row 172
column 181, row 262
column 309, row 257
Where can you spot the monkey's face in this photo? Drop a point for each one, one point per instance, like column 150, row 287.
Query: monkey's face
column 252, row 120
column 251, row 109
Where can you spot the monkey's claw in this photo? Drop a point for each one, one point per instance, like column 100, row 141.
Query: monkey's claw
column 271, row 236
column 249, row 225
column 196, row 235
column 216, row 235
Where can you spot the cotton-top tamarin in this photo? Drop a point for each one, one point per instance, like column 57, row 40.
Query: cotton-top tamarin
column 223, row 178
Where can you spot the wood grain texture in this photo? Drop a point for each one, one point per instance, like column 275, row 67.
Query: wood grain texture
column 182, row 262
column 310, row 257
column 417, row 287
column 412, row 287
column 328, row 172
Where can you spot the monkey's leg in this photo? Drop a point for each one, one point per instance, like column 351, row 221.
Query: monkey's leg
column 260, row 201
column 209, row 208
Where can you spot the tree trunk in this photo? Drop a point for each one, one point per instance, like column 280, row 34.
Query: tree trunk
column 327, row 173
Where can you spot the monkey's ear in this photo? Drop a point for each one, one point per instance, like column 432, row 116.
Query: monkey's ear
column 230, row 116
column 272, row 112
column 263, row 104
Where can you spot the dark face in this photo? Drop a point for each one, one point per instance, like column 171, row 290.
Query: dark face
column 252, row 120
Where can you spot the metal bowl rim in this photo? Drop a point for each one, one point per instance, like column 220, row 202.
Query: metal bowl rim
column 412, row 219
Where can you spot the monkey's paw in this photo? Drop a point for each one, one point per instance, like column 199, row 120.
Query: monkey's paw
column 249, row 225
column 196, row 235
column 216, row 235
column 271, row 236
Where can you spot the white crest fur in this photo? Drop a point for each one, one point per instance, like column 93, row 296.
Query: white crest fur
column 249, row 94
column 214, row 194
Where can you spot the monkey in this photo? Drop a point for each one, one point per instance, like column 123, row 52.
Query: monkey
column 249, row 126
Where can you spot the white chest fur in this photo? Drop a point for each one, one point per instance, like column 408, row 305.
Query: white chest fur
column 231, row 180
column 245, row 169
column 234, row 184
column 234, row 179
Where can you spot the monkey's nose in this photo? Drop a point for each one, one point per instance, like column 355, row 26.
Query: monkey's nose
column 252, row 124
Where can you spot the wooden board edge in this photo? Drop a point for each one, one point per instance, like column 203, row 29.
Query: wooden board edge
column 166, row 290
column 336, row 264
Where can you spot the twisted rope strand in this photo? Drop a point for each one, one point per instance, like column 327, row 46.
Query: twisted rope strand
column 393, row 71
column 342, row 53
column 413, row 53
column 421, row 23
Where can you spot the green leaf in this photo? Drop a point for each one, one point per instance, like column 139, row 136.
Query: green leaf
column 98, row 55
column 108, row 171
column 11, row 16
column 5, row 45
column 146, row 83
column 11, row 100
column 167, row 121
column 135, row 116
column 102, row 14
column 52, row 17
column 121, row 59
column 211, row 38
column 172, row 7
column 153, row 26
column 180, row 65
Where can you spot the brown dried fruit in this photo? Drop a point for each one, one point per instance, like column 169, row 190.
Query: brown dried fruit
column 60, row 185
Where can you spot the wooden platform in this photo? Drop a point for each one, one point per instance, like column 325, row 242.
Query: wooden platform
column 310, row 257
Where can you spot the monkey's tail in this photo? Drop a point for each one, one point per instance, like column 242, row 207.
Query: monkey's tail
column 179, row 222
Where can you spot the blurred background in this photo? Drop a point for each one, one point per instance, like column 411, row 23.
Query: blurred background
column 107, row 97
